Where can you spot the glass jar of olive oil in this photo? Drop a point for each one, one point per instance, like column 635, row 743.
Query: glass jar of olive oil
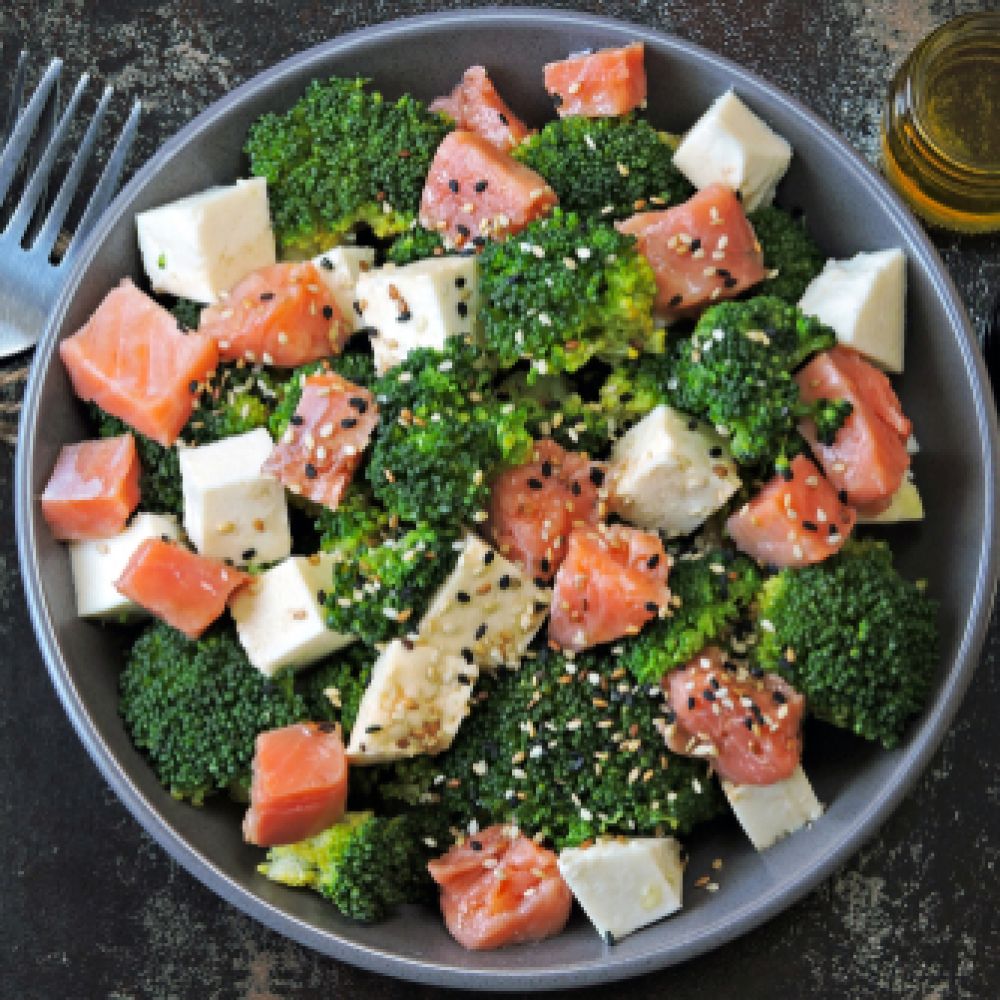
column 941, row 126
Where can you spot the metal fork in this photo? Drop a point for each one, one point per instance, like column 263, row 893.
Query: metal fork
column 29, row 281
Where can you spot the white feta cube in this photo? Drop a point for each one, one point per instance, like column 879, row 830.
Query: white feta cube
column 279, row 618
column 98, row 563
column 769, row 812
column 418, row 305
column 487, row 611
column 670, row 472
column 864, row 300
column 906, row 505
column 414, row 703
column 340, row 269
column 623, row 885
column 231, row 510
column 202, row 245
column 730, row 145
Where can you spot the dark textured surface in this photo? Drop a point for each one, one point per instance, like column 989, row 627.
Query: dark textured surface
column 91, row 907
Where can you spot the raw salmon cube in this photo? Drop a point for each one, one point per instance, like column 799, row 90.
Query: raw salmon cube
column 282, row 315
column 475, row 191
column 318, row 453
column 600, row 84
column 186, row 590
column 475, row 106
column 132, row 360
column 93, row 489
column 299, row 785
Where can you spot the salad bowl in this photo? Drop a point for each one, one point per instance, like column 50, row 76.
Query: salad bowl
column 955, row 548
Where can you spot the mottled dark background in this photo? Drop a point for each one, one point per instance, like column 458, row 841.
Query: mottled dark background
column 91, row 907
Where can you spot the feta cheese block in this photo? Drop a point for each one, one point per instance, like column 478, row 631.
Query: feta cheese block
column 201, row 246
column 487, row 611
column 623, row 885
column 864, row 300
column 98, row 563
column 730, row 145
column 670, row 472
column 340, row 269
column 417, row 305
column 769, row 812
column 905, row 505
column 414, row 703
column 280, row 619
column 231, row 510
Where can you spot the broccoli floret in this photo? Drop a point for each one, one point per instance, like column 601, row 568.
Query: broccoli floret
column 416, row 244
column 855, row 637
column 609, row 166
column 342, row 156
column 355, row 366
column 708, row 594
column 789, row 250
column 187, row 313
column 567, row 289
column 735, row 370
column 554, row 409
column 380, row 588
column 234, row 400
column 195, row 708
column 632, row 389
column 441, row 435
column 366, row 865
column 160, row 475
column 566, row 749
column 333, row 688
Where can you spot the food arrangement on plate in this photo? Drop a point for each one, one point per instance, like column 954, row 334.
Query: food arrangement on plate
column 495, row 494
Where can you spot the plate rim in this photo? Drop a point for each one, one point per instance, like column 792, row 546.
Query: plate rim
column 734, row 923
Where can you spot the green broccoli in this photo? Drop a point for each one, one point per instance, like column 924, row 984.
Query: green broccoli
column 379, row 590
column 415, row 244
column 709, row 592
column 789, row 250
column 632, row 389
column 441, row 435
column 332, row 689
column 566, row 749
column 855, row 637
column 187, row 314
column 160, row 468
column 609, row 166
column 235, row 400
column 343, row 156
column 567, row 289
column 736, row 369
column 195, row 708
column 354, row 365
column 365, row 865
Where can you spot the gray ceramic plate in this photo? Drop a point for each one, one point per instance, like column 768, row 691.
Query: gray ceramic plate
column 849, row 209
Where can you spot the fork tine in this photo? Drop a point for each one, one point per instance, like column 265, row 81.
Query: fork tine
column 108, row 183
column 53, row 223
column 16, row 93
column 39, row 179
column 25, row 127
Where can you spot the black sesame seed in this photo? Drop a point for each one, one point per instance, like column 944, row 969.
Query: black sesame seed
column 489, row 557
column 463, row 230
column 730, row 282
column 757, row 672
column 576, row 489
column 311, row 472
column 326, row 727
column 248, row 554
column 453, row 186
column 654, row 560
column 692, row 425
column 676, row 301
column 722, row 272
column 540, row 581
column 787, row 474
column 358, row 403
column 713, row 683
column 692, row 701
column 669, row 717
column 535, row 484
column 463, row 597
column 460, row 282
column 479, row 241
column 463, row 678
column 810, row 526
column 326, row 264
column 715, row 451
column 193, row 385
column 468, row 656
column 779, row 698
column 348, row 422
column 546, row 468
column 652, row 607
column 321, row 596
column 327, row 312
column 481, row 186
column 504, row 582
column 295, row 419
column 266, row 296
column 544, row 565
column 463, row 309
column 373, row 728
column 404, row 316
column 597, row 477
column 748, row 722
column 695, row 245
column 357, row 306
column 480, row 632
column 842, row 496
column 503, row 118
column 576, row 763
column 708, row 694
column 476, row 845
